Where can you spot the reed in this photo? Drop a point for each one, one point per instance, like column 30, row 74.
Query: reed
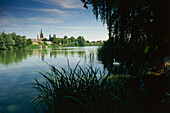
column 81, row 90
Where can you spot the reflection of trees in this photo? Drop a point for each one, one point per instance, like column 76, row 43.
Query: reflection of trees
column 14, row 56
column 72, row 53
column 128, row 66
column 53, row 54
column 66, row 52
column 42, row 53
column 80, row 53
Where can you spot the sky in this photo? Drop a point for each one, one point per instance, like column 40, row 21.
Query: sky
column 60, row 17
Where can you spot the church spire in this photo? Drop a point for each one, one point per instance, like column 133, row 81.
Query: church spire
column 41, row 32
column 41, row 35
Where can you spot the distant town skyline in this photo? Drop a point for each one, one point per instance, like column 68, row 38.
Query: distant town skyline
column 60, row 17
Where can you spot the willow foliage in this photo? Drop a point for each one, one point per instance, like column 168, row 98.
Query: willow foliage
column 141, row 23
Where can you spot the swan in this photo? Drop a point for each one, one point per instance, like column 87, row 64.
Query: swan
column 115, row 63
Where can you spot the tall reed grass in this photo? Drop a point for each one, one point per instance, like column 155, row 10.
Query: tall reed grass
column 81, row 90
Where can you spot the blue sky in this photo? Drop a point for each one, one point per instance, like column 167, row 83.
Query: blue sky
column 60, row 17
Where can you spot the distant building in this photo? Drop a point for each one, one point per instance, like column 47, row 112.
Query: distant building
column 35, row 41
column 49, row 42
column 40, row 38
column 37, row 37
column 41, row 35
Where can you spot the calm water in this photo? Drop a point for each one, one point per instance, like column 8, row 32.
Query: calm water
column 18, row 69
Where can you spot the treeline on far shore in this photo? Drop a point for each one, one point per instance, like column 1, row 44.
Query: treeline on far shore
column 14, row 41
column 11, row 40
column 70, row 42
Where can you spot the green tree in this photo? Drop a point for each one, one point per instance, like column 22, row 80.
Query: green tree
column 24, row 41
column 45, row 43
column 65, row 37
column 55, row 41
column 69, row 40
column 76, row 43
column 45, row 39
column 9, row 42
column 50, row 38
column 54, row 36
column 2, row 43
column 87, row 41
column 13, row 35
column 29, row 41
column 72, row 39
column 62, row 41
column 81, row 40
column 40, row 43
column 19, row 41
column 65, row 40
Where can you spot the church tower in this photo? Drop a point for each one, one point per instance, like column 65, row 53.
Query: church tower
column 41, row 35
column 37, row 37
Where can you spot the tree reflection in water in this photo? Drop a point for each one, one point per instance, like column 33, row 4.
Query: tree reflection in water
column 14, row 56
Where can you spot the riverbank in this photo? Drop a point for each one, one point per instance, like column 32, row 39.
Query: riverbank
column 33, row 46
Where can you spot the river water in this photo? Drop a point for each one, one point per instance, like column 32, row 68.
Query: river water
column 18, row 70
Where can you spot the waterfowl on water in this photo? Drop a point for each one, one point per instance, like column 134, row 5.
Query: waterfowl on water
column 116, row 63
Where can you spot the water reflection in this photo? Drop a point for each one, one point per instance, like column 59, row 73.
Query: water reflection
column 14, row 56
column 66, row 53
column 18, row 69
column 15, row 80
column 88, row 54
column 8, row 57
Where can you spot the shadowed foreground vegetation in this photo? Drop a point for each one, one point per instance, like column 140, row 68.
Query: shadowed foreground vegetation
column 82, row 90
column 89, row 90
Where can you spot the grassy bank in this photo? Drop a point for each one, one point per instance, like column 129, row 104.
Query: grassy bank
column 32, row 46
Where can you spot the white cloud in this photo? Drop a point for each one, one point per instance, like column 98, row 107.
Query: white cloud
column 44, row 20
column 42, row 9
column 3, row 21
column 63, row 3
column 13, row 22
column 7, row 20
column 76, row 27
column 6, row 13
column 57, row 12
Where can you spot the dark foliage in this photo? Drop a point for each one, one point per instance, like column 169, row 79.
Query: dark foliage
column 82, row 90
column 136, row 27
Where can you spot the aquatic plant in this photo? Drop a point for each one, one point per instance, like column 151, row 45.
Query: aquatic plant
column 81, row 90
